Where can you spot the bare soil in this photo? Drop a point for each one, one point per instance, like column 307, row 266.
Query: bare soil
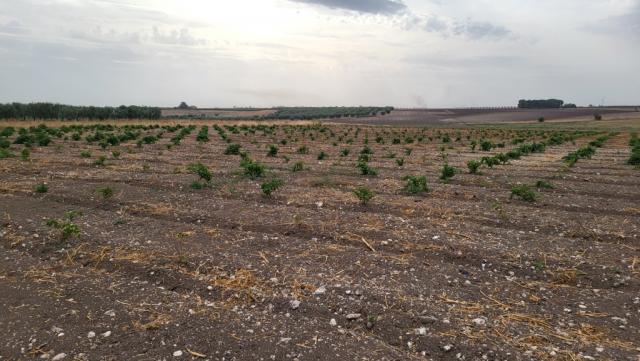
column 474, row 116
column 161, row 271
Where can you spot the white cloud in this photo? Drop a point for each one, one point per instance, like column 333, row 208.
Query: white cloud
column 342, row 52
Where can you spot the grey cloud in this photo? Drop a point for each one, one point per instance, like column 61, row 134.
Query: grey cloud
column 475, row 62
column 176, row 37
column 386, row 7
column 470, row 29
column 13, row 27
column 406, row 19
column 152, row 35
column 480, row 30
column 626, row 24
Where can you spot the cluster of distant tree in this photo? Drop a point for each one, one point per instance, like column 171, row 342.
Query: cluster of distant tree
column 72, row 112
column 544, row 104
column 184, row 105
column 326, row 112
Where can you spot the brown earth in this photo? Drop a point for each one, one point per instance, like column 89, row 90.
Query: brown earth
column 461, row 116
column 462, row 272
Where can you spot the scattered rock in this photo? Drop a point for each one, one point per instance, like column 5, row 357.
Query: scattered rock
column 294, row 304
column 620, row 320
column 56, row 329
column 333, row 322
column 369, row 325
column 110, row 313
column 59, row 356
column 479, row 321
column 320, row 290
column 106, row 334
column 353, row 316
column 426, row 320
column 177, row 353
column 447, row 348
column 91, row 334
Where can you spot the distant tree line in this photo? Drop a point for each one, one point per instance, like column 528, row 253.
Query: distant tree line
column 544, row 104
column 72, row 112
column 327, row 112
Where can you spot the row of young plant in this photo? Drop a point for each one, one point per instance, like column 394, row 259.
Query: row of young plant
column 527, row 192
column 524, row 150
column 413, row 184
column 447, row 171
column 381, row 137
column 587, row 151
column 634, row 159
column 316, row 129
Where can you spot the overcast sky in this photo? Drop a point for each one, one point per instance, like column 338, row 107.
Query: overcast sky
column 409, row 53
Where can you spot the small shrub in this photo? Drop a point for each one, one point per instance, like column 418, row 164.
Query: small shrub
column 149, row 139
column 196, row 185
column 5, row 153
column 490, row 161
column 25, row 154
column 303, row 150
column 43, row 139
column 297, row 166
column 345, row 152
column 252, row 168
column 105, row 192
column 232, row 149
column 115, row 154
column 41, row 188
column 65, row 226
column 85, row 154
column 543, row 185
column 322, row 155
column 270, row 186
column 473, row 166
column 100, row 161
column 486, row 145
column 363, row 194
column 7, row 132
column 203, row 134
column 273, row 151
column 364, row 158
column 597, row 116
column 634, row 159
column 416, row 184
column 365, row 169
column 541, row 119
column 524, row 192
column 366, row 150
column 201, row 170
column 447, row 172
column 400, row 162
